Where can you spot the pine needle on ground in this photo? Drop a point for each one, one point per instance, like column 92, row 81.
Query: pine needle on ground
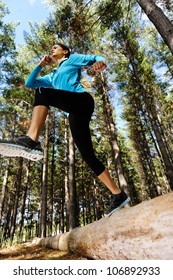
column 29, row 251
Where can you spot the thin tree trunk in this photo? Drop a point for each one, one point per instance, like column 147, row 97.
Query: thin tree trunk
column 52, row 177
column 113, row 138
column 66, row 165
column 98, row 205
column 4, row 186
column 22, row 211
column 7, row 220
column 73, row 220
column 83, row 196
column 43, row 219
column 164, row 153
column 16, row 201
column 160, row 21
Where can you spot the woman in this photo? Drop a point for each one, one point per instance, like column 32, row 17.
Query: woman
column 62, row 89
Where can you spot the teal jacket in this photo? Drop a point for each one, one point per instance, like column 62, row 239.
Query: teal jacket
column 66, row 77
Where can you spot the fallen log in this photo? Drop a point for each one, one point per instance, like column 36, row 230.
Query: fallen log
column 141, row 232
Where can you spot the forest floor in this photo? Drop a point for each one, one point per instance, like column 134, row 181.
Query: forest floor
column 29, row 251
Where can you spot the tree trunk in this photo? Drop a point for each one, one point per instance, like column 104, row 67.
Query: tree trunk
column 52, row 173
column 141, row 232
column 163, row 151
column 98, row 203
column 22, row 211
column 113, row 137
column 66, row 167
column 43, row 218
column 160, row 21
column 7, row 219
column 73, row 220
column 70, row 184
column 16, row 200
column 4, row 186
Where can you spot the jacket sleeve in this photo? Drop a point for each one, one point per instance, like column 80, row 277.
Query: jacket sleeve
column 85, row 59
column 34, row 82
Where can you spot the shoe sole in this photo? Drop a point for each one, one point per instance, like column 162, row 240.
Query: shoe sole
column 119, row 207
column 13, row 150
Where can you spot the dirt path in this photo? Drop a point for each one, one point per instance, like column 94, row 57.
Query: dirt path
column 29, row 251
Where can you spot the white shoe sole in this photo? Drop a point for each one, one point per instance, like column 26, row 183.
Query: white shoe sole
column 13, row 150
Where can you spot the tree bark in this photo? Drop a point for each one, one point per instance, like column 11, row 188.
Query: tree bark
column 141, row 232
column 113, row 136
column 160, row 21
column 4, row 186
column 43, row 218
column 22, row 211
column 73, row 221
column 52, row 174
column 16, row 199
column 66, row 168
column 164, row 153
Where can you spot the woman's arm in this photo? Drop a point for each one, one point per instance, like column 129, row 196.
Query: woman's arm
column 45, row 81
column 96, row 61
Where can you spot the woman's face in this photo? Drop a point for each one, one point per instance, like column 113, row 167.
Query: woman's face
column 57, row 52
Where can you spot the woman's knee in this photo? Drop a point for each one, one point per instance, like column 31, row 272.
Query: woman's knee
column 93, row 162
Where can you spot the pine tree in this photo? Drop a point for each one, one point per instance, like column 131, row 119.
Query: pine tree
column 163, row 25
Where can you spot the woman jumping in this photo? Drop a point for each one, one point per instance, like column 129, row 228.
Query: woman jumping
column 62, row 89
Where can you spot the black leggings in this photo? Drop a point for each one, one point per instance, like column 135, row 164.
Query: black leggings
column 80, row 106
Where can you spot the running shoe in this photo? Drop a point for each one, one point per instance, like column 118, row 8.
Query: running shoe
column 118, row 201
column 23, row 146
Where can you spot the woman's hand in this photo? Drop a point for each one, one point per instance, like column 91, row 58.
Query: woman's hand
column 99, row 66
column 46, row 61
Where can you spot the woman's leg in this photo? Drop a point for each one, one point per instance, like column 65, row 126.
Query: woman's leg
column 106, row 179
column 39, row 115
column 81, row 134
